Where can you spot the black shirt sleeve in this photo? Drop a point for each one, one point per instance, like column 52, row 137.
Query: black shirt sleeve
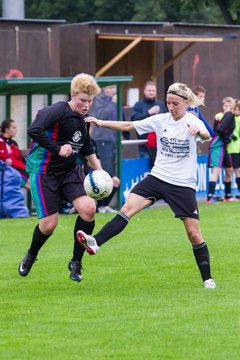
column 45, row 121
column 226, row 127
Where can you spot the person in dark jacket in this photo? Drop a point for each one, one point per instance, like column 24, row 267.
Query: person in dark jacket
column 218, row 158
column 105, row 140
column 146, row 107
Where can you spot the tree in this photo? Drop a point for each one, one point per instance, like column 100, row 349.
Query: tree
column 190, row 11
column 81, row 10
column 177, row 11
column 230, row 10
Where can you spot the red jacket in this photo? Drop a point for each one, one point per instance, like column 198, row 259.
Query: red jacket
column 9, row 150
column 152, row 140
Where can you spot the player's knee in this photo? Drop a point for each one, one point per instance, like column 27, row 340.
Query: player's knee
column 194, row 236
column 90, row 211
column 48, row 228
column 87, row 211
column 127, row 210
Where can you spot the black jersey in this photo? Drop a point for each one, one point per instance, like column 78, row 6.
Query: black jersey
column 53, row 127
column 225, row 127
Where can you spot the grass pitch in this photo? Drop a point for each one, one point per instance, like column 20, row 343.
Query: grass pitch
column 141, row 296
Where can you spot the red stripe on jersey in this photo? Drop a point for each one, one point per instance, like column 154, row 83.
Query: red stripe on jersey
column 49, row 154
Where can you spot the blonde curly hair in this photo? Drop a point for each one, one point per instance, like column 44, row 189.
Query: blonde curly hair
column 186, row 93
column 86, row 84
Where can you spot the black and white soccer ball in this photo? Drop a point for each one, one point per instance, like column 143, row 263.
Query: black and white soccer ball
column 98, row 184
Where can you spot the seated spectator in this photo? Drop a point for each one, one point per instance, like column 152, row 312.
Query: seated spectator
column 9, row 150
column 11, row 195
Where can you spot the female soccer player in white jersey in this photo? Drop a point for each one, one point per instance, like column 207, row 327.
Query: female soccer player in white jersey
column 172, row 178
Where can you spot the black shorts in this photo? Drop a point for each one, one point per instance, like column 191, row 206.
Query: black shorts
column 218, row 157
column 49, row 191
column 181, row 199
column 235, row 160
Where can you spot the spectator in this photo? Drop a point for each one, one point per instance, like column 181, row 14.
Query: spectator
column 200, row 91
column 105, row 140
column 233, row 148
column 152, row 147
column 12, row 202
column 9, row 150
column 218, row 157
column 148, row 106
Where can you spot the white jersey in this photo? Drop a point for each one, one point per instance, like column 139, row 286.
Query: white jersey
column 176, row 160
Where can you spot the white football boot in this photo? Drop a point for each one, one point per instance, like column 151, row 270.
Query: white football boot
column 88, row 242
column 209, row 284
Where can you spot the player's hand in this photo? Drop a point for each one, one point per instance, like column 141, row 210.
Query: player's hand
column 194, row 130
column 154, row 110
column 66, row 150
column 91, row 119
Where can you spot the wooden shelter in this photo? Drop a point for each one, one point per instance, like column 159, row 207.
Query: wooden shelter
column 166, row 52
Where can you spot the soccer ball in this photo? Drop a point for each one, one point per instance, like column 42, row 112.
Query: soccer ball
column 98, row 184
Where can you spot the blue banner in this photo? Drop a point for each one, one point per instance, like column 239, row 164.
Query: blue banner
column 133, row 170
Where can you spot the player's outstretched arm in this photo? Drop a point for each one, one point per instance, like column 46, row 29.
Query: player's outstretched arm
column 114, row 125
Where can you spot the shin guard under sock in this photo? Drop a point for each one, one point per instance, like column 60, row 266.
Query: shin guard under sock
column 203, row 260
column 38, row 240
column 211, row 189
column 112, row 228
column 227, row 186
column 87, row 227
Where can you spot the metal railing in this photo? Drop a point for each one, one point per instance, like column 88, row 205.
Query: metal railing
column 133, row 142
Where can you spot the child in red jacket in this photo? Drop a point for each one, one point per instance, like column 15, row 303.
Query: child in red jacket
column 9, row 151
column 152, row 146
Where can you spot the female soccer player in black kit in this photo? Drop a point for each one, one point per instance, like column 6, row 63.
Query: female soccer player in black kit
column 59, row 135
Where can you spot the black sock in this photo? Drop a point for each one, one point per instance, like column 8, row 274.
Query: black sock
column 203, row 260
column 211, row 189
column 238, row 182
column 38, row 240
column 87, row 227
column 227, row 189
column 106, row 201
column 112, row 228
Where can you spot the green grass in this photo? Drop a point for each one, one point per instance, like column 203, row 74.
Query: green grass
column 141, row 296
